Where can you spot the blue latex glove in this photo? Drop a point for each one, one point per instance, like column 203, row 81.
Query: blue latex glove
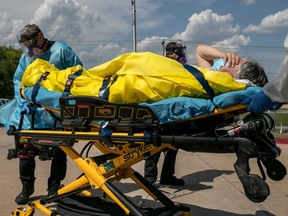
column 105, row 133
column 258, row 103
column 26, row 109
column 276, row 106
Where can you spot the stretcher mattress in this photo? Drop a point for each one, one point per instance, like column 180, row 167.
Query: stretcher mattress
column 173, row 91
column 167, row 110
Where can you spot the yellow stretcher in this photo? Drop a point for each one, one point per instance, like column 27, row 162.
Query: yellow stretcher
column 137, row 134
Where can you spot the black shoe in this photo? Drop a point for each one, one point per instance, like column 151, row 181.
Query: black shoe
column 52, row 191
column 53, row 185
column 23, row 197
column 172, row 181
column 151, row 180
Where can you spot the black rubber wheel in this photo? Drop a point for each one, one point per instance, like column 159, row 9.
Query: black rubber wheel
column 275, row 170
column 254, row 198
column 257, row 190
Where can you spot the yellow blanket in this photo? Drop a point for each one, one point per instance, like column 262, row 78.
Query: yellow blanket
column 142, row 77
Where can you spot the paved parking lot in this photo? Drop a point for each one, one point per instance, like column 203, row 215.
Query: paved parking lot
column 212, row 187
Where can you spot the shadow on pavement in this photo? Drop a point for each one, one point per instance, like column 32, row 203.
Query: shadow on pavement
column 192, row 181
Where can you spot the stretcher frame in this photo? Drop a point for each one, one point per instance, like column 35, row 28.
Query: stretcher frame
column 137, row 135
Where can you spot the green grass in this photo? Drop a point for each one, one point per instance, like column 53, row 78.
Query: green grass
column 280, row 118
column 281, row 123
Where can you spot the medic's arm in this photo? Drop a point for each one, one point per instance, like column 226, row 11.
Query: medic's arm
column 71, row 58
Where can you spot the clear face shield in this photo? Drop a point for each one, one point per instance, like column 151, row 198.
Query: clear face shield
column 28, row 45
column 177, row 52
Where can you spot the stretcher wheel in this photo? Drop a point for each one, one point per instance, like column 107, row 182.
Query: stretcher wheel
column 257, row 199
column 259, row 190
column 275, row 170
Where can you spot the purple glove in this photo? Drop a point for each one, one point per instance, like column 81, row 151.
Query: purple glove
column 258, row 102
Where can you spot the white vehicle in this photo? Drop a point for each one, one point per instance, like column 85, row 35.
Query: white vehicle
column 3, row 101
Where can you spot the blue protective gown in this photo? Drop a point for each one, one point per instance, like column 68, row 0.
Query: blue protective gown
column 276, row 89
column 61, row 56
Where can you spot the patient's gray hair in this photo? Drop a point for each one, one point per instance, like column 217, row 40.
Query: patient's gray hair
column 254, row 72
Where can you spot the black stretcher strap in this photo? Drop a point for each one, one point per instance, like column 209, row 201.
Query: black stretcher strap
column 200, row 77
column 37, row 85
column 68, row 84
column 104, row 90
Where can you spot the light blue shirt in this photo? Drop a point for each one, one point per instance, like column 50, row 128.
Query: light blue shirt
column 62, row 57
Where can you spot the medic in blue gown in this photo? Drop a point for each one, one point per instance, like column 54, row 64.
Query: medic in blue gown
column 35, row 45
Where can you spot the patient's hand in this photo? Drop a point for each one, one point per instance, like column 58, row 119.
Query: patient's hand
column 231, row 59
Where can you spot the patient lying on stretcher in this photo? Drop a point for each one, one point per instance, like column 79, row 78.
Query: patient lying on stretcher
column 129, row 78
column 162, row 84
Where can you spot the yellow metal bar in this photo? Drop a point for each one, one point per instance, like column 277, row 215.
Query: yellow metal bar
column 91, row 171
column 132, row 157
column 37, row 205
column 78, row 183
column 97, row 175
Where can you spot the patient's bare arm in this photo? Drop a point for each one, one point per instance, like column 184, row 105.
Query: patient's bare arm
column 205, row 55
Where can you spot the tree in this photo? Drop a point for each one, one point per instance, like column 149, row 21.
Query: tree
column 9, row 58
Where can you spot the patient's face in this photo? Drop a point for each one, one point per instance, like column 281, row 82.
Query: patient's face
column 235, row 71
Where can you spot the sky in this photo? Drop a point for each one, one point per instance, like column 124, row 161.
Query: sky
column 100, row 30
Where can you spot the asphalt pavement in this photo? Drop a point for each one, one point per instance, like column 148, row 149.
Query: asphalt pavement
column 212, row 186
